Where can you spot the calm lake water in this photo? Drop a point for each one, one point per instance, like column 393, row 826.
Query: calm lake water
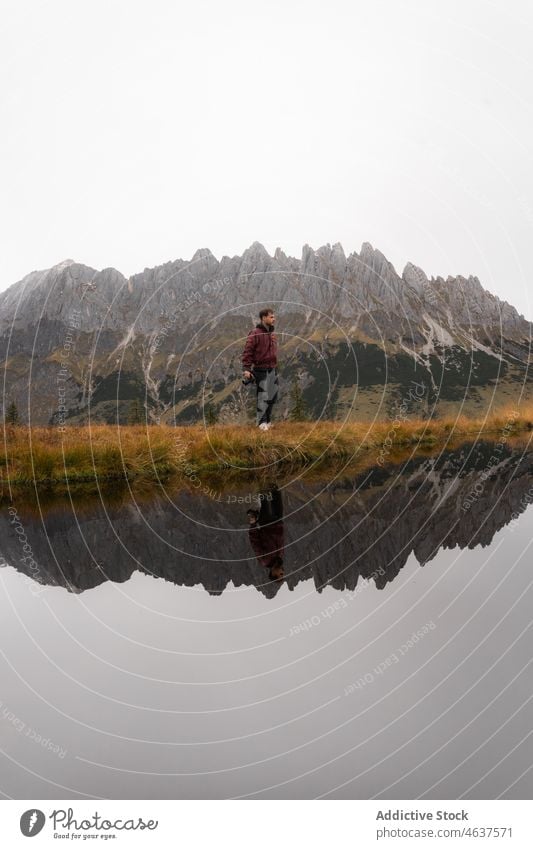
column 370, row 636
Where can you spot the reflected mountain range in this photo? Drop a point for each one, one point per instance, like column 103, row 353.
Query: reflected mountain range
column 335, row 532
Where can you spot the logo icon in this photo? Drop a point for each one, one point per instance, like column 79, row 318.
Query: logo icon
column 32, row 822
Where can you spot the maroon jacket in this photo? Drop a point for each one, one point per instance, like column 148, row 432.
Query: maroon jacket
column 261, row 348
column 267, row 542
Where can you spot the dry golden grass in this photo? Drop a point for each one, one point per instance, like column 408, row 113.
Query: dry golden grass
column 44, row 455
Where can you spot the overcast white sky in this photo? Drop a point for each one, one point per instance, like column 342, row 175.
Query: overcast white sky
column 136, row 132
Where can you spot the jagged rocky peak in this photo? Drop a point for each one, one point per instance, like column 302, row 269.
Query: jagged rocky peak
column 330, row 262
column 325, row 259
column 203, row 253
column 203, row 264
column 415, row 277
column 204, row 258
column 368, row 251
column 376, row 278
column 375, row 259
column 308, row 258
column 65, row 263
column 338, row 262
column 256, row 250
column 373, row 267
column 109, row 271
column 255, row 258
column 44, row 285
column 107, row 282
column 333, row 254
column 70, row 268
column 328, row 251
column 69, row 272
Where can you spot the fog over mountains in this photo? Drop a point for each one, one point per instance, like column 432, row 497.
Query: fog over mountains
column 353, row 333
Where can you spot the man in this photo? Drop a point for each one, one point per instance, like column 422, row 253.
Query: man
column 259, row 361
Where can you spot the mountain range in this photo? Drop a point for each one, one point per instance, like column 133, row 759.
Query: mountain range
column 78, row 344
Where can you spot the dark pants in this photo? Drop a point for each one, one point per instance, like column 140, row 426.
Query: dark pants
column 267, row 392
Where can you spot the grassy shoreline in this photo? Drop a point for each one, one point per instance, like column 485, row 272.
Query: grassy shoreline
column 45, row 456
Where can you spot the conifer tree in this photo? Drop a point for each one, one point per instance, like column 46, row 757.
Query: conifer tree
column 12, row 414
column 211, row 415
column 135, row 412
column 298, row 411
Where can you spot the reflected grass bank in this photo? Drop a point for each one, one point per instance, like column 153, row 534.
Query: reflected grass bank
column 88, row 458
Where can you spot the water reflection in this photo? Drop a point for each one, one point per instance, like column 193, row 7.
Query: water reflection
column 267, row 532
column 333, row 532
column 275, row 690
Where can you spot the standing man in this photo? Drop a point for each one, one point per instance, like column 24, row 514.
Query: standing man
column 259, row 362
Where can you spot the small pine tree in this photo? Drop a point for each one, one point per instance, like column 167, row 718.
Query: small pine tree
column 331, row 405
column 12, row 414
column 298, row 411
column 135, row 412
column 211, row 415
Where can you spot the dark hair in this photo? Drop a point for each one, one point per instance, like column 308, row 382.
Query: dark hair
column 265, row 311
column 278, row 577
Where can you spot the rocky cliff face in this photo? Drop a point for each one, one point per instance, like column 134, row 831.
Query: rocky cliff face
column 335, row 534
column 171, row 336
